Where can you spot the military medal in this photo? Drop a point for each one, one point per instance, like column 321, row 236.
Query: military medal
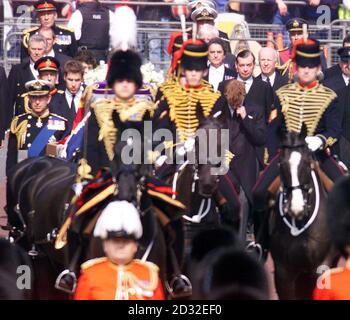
column 39, row 123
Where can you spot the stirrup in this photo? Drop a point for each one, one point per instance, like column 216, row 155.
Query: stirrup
column 33, row 252
column 66, row 281
column 179, row 286
column 257, row 248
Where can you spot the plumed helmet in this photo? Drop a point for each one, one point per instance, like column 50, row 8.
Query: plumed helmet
column 120, row 219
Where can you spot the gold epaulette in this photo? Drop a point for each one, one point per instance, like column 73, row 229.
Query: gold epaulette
column 148, row 264
column 30, row 30
column 65, row 28
column 26, row 35
column 58, row 116
column 19, row 129
column 92, row 262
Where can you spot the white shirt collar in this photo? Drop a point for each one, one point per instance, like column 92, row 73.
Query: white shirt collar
column 346, row 78
column 33, row 70
column 272, row 78
column 249, row 80
column 248, row 83
column 51, row 53
column 216, row 75
column 78, row 94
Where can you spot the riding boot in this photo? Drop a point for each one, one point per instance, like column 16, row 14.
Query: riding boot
column 261, row 231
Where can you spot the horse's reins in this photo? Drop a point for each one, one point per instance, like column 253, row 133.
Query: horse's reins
column 294, row 231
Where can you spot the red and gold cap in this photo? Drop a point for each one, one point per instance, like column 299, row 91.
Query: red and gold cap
column 47, row 64
column 45, row 5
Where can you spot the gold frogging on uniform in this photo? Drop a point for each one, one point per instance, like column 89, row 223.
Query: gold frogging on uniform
column 128, row 111
column 307, row 106
column 183, row 104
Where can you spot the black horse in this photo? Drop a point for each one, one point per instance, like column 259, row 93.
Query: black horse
column 299, row 237
column 196, row 180
column 37, row 192
column 162, row 240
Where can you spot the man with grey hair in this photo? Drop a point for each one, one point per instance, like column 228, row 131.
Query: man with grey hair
column 22, row 73
column 268, row 58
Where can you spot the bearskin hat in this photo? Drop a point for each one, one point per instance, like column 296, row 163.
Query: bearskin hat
column 338, row 214
column 125, row 65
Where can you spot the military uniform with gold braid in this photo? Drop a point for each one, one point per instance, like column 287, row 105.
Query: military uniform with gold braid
column 313, row 105
column 177, row 111
column 287, row 66
column 30, row 133
column 178, row 103
column 65, row 38
column 102, row 130
column 108, row 279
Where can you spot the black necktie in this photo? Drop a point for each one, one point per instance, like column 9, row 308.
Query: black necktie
column 268, row 81
column 72, row 107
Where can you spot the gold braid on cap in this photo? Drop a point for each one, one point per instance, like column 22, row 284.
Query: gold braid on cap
column 183, row 103
column 19, row 130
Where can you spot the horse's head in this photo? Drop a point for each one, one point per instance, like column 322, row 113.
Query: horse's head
column 295, row 171
column 207, row 152
column 128, row 166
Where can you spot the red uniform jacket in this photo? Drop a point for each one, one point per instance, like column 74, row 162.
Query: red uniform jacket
column 100, row 279
column 335, row 284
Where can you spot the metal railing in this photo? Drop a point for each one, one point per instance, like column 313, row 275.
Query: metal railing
column 153, row 40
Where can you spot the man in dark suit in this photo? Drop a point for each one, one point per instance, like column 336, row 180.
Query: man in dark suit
column 22, row 73
column 336, row 69
column 340, row 79
column 65, row 39
column 247, row 134
column 73, row 77
column 217, row 69
column 268, row 58
column 50, row 37
column 341, row 84
column 257, row 91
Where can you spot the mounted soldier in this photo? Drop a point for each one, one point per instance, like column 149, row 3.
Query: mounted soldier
column 304, row 102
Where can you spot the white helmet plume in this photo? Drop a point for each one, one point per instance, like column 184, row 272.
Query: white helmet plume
column 120, row 217
column 124, row 35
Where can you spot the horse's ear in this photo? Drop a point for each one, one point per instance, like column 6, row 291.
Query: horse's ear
column 303, row 131
column 199, row 113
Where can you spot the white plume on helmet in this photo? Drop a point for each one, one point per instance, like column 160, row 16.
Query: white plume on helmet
column 119, row 216
column 124, row 35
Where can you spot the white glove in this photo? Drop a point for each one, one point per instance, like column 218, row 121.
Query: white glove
column 160, row 161
column 189, row 144
column 314, row 143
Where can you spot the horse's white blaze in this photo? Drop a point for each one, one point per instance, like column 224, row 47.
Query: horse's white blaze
column 297, row 202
